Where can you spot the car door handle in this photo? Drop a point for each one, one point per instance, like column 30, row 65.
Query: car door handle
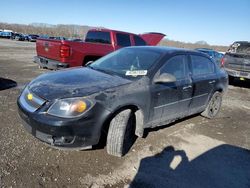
column 187, row 87
column 211, row 82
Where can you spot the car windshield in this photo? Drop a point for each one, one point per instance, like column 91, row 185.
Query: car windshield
column 129, row 62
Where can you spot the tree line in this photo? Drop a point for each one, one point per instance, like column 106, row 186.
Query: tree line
column 69, row 31
column 179, row 44
column 79, row 31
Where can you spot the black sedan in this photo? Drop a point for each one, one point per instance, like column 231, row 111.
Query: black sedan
column 121, row 94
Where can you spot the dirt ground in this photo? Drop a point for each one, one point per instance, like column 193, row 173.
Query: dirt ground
column 194, row 152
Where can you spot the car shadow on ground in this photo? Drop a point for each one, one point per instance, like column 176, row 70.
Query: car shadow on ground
column 223, row 166
column 240, row 83
column 7, row 84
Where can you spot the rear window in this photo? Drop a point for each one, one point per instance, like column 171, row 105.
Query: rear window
column 123, row 39
column 98, row 37
column 242, row 48
column 139, row 41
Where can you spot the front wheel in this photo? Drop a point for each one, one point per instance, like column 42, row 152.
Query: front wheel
column 213, row 106
column 121, row 134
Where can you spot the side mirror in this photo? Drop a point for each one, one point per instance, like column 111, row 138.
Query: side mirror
column 165, row 78
column 88, row 63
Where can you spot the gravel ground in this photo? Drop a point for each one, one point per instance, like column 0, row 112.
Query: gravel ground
column 194, row 152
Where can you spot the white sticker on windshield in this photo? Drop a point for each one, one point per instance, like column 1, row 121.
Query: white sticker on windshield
column 136, row 73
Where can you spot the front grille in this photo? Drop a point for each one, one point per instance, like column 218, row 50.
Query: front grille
column 30, row 101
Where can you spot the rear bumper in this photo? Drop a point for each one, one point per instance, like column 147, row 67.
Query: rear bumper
column 238, row 74
column 49, row 63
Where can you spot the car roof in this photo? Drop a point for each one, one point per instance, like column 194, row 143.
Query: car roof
column 204, row 49
column 110, row 30
column 166, row 50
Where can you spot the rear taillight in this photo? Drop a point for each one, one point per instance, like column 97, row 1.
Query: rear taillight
column 222, row 62
column 64, row 51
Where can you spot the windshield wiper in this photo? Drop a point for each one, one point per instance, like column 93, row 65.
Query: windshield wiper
column 89, row 66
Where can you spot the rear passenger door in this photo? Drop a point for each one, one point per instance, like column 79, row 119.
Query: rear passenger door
column 204, row 79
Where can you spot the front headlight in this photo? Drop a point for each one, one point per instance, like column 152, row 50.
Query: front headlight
column 71, row 107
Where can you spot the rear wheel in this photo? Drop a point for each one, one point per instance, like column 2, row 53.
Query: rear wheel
column 213, row 106
column 121, row 134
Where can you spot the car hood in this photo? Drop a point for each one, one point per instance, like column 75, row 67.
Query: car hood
column 76, row 82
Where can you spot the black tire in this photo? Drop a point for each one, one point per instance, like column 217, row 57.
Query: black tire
column 121, row 134
column 213, row 106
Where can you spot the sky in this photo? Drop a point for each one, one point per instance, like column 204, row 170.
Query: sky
column 218, row 22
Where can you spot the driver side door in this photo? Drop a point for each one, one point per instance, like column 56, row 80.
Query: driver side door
column 171, row 100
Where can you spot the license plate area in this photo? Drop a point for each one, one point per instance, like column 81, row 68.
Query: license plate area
column 244, row 74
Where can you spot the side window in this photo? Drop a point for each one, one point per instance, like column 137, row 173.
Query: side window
column 201, row 65
column 123, row 39
column 98, row 37
column 176, row 66
column 139, row 41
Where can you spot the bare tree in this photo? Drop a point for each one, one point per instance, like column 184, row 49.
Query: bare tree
column 79, row 31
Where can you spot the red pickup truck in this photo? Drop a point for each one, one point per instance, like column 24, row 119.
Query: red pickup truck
column 56, row 54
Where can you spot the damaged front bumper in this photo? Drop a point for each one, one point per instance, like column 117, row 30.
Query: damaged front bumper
column 79, row 133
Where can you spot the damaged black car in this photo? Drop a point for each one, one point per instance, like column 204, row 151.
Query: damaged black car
column 120, row 95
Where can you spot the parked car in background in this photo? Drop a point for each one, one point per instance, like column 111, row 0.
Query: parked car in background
column 237, row 60
column 6, row 34
column 33, row 38
column 26, row 37
column 19, row 37
column 56, row 54
column 129, row 90
column 217, row 56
